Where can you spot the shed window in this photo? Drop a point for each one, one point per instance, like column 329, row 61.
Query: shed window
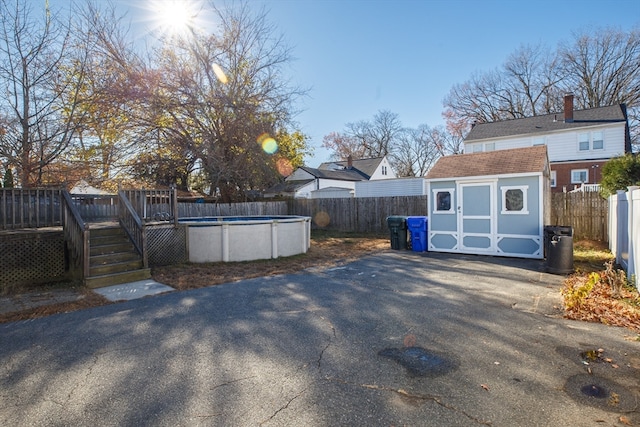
column 514, row 200
column 443, row 202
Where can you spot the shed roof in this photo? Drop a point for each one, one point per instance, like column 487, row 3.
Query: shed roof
column 501, row 162
column 548, row 123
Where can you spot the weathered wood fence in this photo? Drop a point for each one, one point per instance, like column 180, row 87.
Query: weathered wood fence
column 361, row 214
column 198, row 210
column 586, row 212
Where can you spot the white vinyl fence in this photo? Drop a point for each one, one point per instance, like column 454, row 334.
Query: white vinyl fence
column 624, row 231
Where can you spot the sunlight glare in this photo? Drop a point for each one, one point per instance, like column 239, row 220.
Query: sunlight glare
column 174, row 16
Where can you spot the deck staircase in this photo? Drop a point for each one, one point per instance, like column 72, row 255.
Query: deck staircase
column 113, row 259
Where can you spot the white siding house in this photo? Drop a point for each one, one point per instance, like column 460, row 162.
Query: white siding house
column 305, row 182
column 391, row 187
column 578, row 142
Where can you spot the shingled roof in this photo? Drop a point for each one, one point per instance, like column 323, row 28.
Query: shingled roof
column 548, row 123
column 366, row 167
column 343, row 175
column 517, row 160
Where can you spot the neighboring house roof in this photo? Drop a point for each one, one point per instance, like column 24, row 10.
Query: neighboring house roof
column 333, row 189
column 366, row 166
column 548, row 123
column 516, row 160
column 288, row 186
column 342, row 175
column 83, row 187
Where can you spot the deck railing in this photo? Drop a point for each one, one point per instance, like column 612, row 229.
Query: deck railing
column 30, row 208
column 76, row 233
column 154, row 204
column 96, row 207
column 133, row 226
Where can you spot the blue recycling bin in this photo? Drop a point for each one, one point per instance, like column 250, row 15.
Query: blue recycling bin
column 417, row 226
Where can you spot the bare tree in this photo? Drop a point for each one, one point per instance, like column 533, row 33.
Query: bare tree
column 40, row 105
column 343, row 146
column 416, row 151
column 601, row 67
column 376, row 137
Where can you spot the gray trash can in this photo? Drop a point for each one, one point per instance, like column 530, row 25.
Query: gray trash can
column 558, row 243
column 397, row 231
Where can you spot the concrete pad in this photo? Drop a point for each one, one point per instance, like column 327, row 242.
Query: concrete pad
column 133, row 290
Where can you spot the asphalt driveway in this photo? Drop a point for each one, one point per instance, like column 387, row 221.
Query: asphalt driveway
column 399, row 338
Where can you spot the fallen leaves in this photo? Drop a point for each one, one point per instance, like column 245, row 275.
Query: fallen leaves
column 601, row 305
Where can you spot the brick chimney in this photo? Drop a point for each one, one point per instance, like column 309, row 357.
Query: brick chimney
column 568, row 108
column 349, row 162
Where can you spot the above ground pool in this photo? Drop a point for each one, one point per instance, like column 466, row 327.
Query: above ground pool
column 246, row 238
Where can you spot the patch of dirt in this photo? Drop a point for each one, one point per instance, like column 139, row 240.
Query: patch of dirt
column 326, row 250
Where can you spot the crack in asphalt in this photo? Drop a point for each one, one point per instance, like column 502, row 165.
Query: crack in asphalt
column 283, row 407
column 232, row 382
column 403, row 393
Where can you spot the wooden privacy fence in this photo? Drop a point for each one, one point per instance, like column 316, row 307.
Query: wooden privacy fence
column 587, row 212
column 198, row 210
column 361, row 214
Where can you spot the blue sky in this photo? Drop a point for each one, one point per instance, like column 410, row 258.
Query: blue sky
column 358, row 57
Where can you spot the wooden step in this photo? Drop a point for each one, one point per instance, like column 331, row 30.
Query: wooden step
column 114, row 257
column 117, row 267
column 111, row 248
column 107, row 240
column 117, row 278
column 107, row 231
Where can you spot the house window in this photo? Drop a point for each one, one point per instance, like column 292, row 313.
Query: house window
column 597, row 140
column 591, row 141
column 514, row 200
column 553, row 178
column 538, row 141
column 579, row 176
column 443, row 201
column 384, row 170
column 477, row 148
column 490, row 146
column 583, row 142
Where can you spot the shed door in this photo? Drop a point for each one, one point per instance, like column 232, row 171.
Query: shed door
column 476, row 213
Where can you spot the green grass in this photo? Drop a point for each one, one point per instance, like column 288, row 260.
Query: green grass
column 590, row 256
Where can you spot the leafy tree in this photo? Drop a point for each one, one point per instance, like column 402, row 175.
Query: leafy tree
column 40, row 105
column 107, row 124
column 7, row 181
column 620, row 173
column 214, row 97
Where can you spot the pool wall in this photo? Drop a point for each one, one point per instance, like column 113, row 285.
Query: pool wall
column 246, row 239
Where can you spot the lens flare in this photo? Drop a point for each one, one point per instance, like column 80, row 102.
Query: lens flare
column 220, row 74
column 284, row 167
column 321, row 219
column 269, row 145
